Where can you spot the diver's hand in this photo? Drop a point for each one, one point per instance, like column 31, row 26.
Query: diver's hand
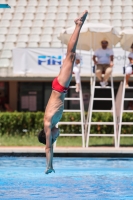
column 49, row 170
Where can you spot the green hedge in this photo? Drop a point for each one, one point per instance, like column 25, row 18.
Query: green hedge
column 26, row 122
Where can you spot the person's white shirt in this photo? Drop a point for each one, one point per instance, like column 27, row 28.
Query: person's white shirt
column 103, row 55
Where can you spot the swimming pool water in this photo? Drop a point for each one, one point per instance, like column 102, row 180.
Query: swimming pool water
column 23, row 178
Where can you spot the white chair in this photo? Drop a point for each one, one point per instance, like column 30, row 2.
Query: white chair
column 36, row 30
column 127, row 16
column 62, row 9
column 41, row 9
column 95, row 2
column 85, row 3
column 60, row 23
column 49, row 23
column 34, row 38
column 2, row 38
column 22, row 3
column 118, row 28
column 15, row 23
column 4, row 23
column 55, row 39
column 23, row 38
column 2, row 10
column 105, row 21
column 13, row 30
column 7, row 16
column 95, row 21
column 50, row 16
column 57, row 30
column 117, row 3
column 40, row 16
column 105, row 9
column 6, row 54
column 18, row 16
column 33, row 44
column 26, row 23
column 38, row 23
column 47, row 30
column 53, row 3
column 56, row 44
column 95, row 9
column 44, row 44
column 12, row 2
column 61, row 16
column 46, row 38
column 1, row 46
column 74, row 3
column 9, row 45
column 10, row 10
column 30, row 9
column 11, row 38
column 117, row 9
column 20, row 9
column 116, row 22
column 69, row 23
column 128, row 3
column 127, row 23
column 4, row 62
column 106, row 3
column 32, row 3
column 72, row 16
column 74, row 9
column 81, row 8
column 3, row 30
column 43, row 3
column 29, row 16
column 94, row 16
column 24, row 30
column 21, row 44
column 105, row 16
column 117, row 15
column 63, row 3
column 128, row 9
column 52, row 9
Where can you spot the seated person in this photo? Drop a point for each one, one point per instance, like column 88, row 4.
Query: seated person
column 104, row 62
column 129, row 69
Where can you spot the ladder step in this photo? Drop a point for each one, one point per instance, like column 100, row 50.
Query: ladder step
column 126, row 135
column 128, row 99
column 104, row 135
column 102, row 99
column 102, row 110
column 129, row 88
column 101, row 123
column 71, row 110
column 71, row 134
column 70, row 123
column 127, row 123
column 99, row 87
column 72, row 87
column 127, row 111
column 72, row 98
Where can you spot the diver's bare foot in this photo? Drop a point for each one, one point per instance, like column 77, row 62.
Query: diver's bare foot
column 80, row 20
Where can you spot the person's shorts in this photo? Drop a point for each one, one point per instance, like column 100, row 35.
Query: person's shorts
column 103, row 67
column 129, row 69
column 56, row 86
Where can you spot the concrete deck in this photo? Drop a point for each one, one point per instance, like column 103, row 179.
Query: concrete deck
column 69, row 152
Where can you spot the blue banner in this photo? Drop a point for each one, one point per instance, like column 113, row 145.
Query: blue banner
column 4, row 6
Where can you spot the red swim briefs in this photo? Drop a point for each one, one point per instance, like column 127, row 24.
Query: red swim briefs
column 56, row 86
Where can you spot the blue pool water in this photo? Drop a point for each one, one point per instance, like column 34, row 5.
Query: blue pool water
column 23, row 178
